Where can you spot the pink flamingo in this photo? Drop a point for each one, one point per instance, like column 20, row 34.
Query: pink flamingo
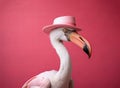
column 63, row 29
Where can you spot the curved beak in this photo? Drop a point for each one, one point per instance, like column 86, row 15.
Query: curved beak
column 81, row 42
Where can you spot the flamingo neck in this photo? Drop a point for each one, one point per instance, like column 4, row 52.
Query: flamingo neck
column 65, row 63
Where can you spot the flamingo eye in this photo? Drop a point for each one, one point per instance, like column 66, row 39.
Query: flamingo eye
column 67, row 31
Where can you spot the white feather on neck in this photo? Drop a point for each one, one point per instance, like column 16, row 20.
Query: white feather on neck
column 65, row 63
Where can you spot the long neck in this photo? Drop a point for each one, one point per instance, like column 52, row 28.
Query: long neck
column 65, row 63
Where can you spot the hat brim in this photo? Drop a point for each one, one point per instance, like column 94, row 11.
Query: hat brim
column 49, row 28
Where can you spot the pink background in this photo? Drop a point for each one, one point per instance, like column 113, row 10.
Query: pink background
column 25, row 50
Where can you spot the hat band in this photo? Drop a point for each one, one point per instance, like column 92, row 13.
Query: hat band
column 71, row 24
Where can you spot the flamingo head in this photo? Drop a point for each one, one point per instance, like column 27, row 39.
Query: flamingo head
column 71, row 35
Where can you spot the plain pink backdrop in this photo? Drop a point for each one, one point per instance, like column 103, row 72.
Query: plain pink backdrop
column 25, row 50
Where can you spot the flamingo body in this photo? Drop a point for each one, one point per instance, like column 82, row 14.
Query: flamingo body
column 53, row 78
column 62, row 77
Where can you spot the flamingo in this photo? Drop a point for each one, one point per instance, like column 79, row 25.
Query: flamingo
column 62, row 77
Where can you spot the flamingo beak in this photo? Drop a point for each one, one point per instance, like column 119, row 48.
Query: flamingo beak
column 81, row 42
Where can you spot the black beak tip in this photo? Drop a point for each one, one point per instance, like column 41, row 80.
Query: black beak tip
column 86, row 50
